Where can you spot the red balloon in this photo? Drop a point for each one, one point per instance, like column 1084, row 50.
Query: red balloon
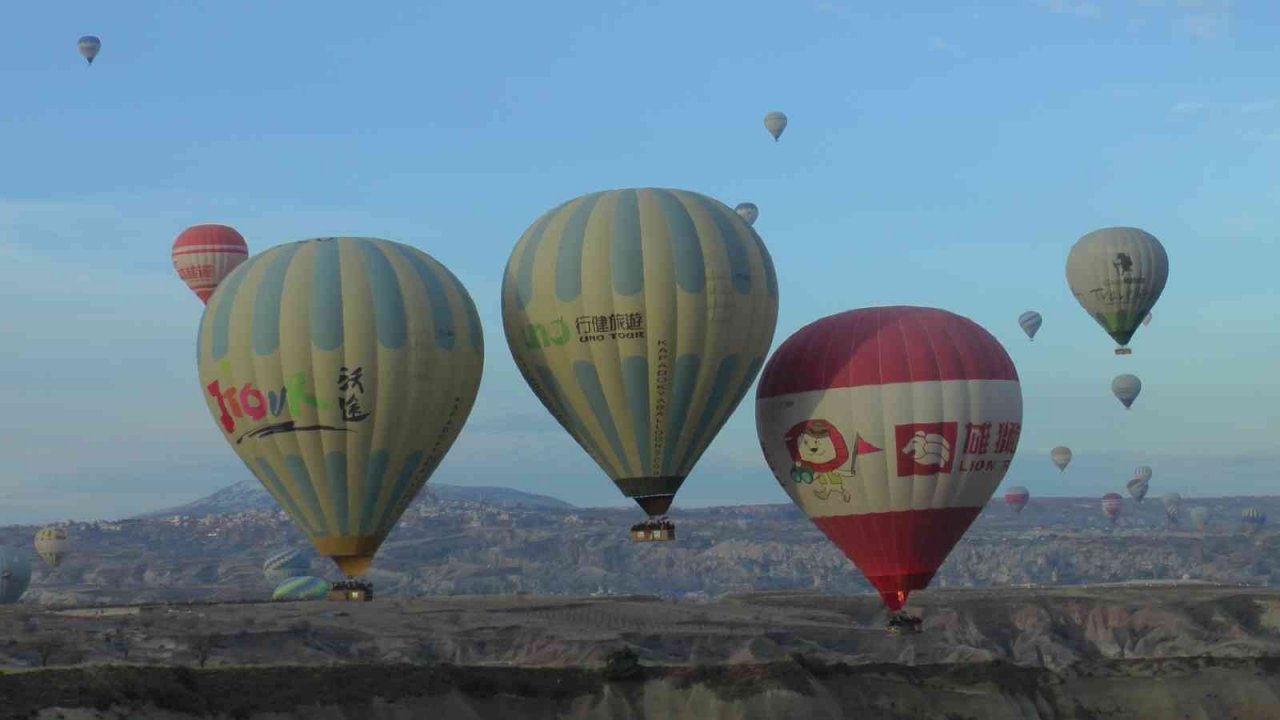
column 1017, row 498
column 1111, row 504
column 891, row 427
column 204, row 255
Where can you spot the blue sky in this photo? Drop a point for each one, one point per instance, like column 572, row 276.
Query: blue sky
column 947, row 154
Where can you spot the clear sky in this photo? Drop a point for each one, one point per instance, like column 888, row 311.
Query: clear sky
column 947, row 154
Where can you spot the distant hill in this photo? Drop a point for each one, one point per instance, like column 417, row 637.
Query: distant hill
column 251, row 495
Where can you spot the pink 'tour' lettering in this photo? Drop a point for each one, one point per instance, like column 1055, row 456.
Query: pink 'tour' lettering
column 248, row 401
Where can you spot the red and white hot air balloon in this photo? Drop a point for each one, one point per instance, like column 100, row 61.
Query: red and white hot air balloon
column 1017, row 497
column 205, row 254
column 1111, row 504
column 891, row 428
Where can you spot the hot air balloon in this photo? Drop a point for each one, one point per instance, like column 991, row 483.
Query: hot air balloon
column 1253, row 519
column 1200, row 518
column 284, row 564
column 891, row 428
column 89, row 46
column 52, row 545
column 341, row 370
column 748, row 211
column 1171, row 513
column 1111, row 503
column 1030, row 322
column 301, row 587
column 640, row 319
column 1117, row 274
column 1172, row 500
column 15, row 574
column 1126, row 389
column 775, row 123
column 1061, row 456
column 1137, row 488
column 1146, row 320
column 1017, row 497
column 204, row 255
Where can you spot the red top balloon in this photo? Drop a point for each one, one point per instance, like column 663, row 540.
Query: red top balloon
column 205, row 254
column 891, row 428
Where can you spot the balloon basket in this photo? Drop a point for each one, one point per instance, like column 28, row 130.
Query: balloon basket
column 1123, row 351
column 653, row 531
column 351, row 590
column 900, row 623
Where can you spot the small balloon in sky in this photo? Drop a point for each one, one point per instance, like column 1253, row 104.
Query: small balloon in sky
column 1061, row 456
column 89, row 46
column 1126, row 388
column 748, row 211
column 1030, row 322
column 204, row 255
column 775, row 122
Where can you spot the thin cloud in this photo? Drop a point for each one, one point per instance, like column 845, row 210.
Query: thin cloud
column 1071, row 7
column 1187, row 107
column 939, row 45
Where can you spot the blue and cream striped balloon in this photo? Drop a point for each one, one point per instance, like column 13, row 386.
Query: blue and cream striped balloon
column 1030, row 321
column 301, row 588
column 341, row 370
column 286, row 563
column 640, row 318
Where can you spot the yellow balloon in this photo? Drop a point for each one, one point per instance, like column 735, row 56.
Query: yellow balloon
column 52, row 545
column 341, row 370
column 640, row 318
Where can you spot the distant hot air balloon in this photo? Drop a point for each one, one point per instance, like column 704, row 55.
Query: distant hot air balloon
column 89, row 46
column 52, row 545
column 1200, row 518
column 1126, row 389
column 301, row 587
column 1171, row 513
column 1111, row 503
column 1117, row 274
column 1146, row 320
column 1017, row 497
column 1253, row 519
column 341, row 370
column 284, row 564
column 640, row 318
column 891, row 428
column 775, row 123
column 204, row 255
column 1172, row 499
column 1137, row 488
column 748, row 211
column 15, row 574
column 1030, row 322
column 1061, row 456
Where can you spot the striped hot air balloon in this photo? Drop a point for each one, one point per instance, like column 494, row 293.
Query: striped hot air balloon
column 1253, row 519
column 1111, row 504
column 204, row 255
column 891, row 428
column 1017, row 497
column 640, row 318
column 1140, row 483
column 1117, row 275
column 15, row 574
column 286, row 563
column 1061, row 456
column 341, row 370
column 52, row 545
column 1126, row 388
column 302, row 587
column 1030, row 321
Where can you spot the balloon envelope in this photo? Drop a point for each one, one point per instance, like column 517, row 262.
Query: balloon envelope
column 1117, row 274
column 1146, row 320
column 1111, row 503
column 341, row 370
column 1126, row 389
column 748, row 211
column 775, row 123
column 204, row 255
column 89, row 45
column 1253, row 518
column 1017, row 497
column 1061, row 456
column 1200, row 518
column 286, row 563
column 1030, row 322
column 301, row 587
column 52, row 545
column 1137, row 488
column 640, row 318
column 15, row 574
column 891, row 428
